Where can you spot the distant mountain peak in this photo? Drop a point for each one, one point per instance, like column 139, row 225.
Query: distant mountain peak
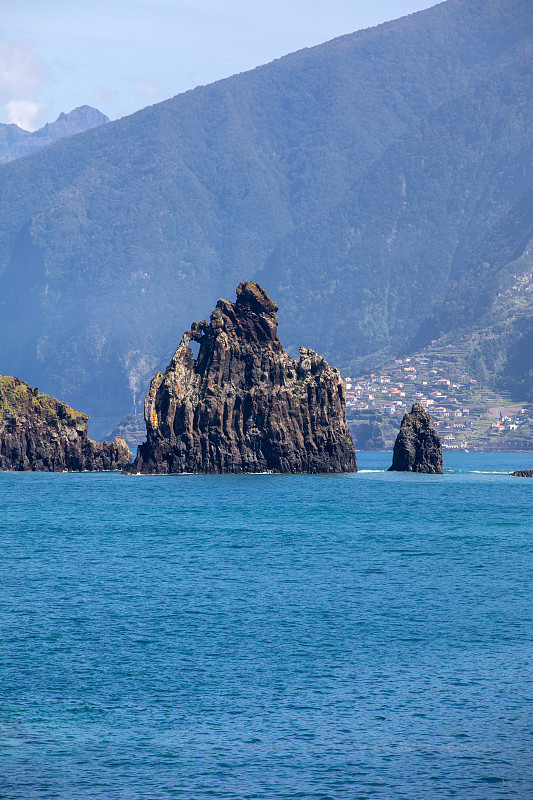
column 16, row 142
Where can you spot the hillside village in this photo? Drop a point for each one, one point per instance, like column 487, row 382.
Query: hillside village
column 467, row 415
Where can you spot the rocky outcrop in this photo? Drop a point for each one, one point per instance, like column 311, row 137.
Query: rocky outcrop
column 522, row 473
column 42, row 434
column 244, row 405
column 417, row 447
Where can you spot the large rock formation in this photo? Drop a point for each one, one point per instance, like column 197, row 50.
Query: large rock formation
column 522, row 473
column 42, row 434
column 244, row 405
column 417, row 447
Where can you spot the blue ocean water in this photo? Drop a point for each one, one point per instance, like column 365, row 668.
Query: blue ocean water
column 266, row 636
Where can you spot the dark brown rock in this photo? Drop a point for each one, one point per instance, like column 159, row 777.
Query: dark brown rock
column 522, row 473
column 42, row 434
column 417, row 447
column 244, row 405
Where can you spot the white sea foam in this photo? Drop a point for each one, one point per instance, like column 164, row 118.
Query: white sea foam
column 490, row 472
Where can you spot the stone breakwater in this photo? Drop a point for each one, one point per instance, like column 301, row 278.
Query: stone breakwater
column 243, row 405
column 40, row 433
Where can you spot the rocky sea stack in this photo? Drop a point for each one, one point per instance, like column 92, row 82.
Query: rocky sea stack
column 522, row 473
column 42, row 434
column 417, row 447
column 244, row 405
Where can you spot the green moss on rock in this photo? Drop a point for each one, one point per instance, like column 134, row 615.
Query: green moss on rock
column 40, row 433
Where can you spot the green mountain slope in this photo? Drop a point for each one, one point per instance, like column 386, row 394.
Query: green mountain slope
column 360, row 279
column 488, row 305
column 110, row 242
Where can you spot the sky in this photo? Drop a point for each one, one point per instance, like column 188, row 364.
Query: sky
column 123, row 55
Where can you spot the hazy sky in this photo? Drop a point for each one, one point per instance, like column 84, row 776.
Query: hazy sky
column 122, row 55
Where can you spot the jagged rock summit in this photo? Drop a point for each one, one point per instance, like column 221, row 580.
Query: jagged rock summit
column 417, row 447
column 244, row 405
column 16, row 142
column 42, row 434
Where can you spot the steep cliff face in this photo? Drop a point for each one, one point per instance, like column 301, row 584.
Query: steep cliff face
column 244, row 405
column 42, row 434
column 417, row 447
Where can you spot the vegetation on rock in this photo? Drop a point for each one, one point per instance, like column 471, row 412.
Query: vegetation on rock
column 40, row 433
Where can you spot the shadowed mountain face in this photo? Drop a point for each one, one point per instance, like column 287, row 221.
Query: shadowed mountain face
column 15, row 142
column 358, row 179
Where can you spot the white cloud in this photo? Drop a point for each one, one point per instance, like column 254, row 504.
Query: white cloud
column 22, row 75
column 25, row 113
column 22, row 72
column 147, row 90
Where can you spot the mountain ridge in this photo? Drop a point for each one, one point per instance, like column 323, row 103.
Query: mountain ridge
column 15, row 142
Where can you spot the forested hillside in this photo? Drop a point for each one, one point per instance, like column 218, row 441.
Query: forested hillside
column 489, row 304
column 404, row 235
column 357, row 180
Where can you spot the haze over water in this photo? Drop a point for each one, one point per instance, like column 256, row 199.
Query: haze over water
column 267, row 636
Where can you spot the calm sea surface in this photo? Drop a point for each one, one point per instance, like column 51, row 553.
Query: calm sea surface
column 344, row 637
